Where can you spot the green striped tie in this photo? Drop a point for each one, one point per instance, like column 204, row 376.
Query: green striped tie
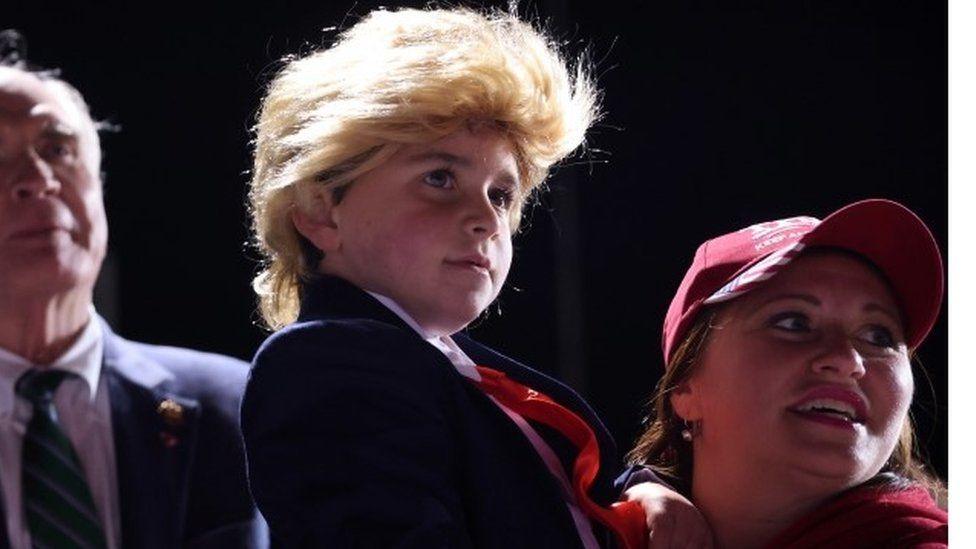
column 58, row 505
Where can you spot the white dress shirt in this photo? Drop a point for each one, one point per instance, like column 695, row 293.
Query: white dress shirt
column 466, row 367
column 83, row 408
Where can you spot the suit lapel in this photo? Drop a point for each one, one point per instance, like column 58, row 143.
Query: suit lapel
column 602, row 490
column 4, row 538
column 154, row 432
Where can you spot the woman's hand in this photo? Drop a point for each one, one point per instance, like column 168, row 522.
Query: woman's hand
column 671, row 519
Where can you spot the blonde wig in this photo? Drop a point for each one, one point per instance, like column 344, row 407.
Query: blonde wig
column 396, row 78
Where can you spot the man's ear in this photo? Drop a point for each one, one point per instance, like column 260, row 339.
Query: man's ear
column 685, row 402
column 315, row 217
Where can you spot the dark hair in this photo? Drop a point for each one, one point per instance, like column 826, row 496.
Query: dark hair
column 13, row 49
column 660, row 446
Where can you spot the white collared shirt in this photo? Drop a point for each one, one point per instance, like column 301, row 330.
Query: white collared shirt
column 82, row 403
column 467, row 368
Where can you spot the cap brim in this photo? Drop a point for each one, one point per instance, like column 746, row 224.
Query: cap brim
column 893, row 238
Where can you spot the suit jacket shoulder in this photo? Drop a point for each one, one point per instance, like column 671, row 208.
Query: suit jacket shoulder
column 216, row 381
column 347, row 444
column 179, row 453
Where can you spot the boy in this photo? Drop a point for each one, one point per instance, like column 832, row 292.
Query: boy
column 390, row 173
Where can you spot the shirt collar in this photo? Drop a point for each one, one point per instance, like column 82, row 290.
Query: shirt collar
column 461, row 361
column 83, row 358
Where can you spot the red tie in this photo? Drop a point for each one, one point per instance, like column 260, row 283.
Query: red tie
column 624, row 519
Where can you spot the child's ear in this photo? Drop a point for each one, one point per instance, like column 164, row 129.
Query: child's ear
column 685, row 402
column 315, row 217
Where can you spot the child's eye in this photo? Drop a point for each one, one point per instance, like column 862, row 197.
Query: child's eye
column 879, row 336
column 790, row 322
column 502, row 197
column 441, row 179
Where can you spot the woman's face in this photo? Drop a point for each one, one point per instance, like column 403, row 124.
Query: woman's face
column 807, row 376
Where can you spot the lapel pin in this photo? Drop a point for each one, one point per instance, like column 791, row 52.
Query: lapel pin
column 171, row 412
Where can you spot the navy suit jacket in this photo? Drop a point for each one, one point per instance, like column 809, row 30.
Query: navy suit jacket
column 180, row 466
column 359, row 433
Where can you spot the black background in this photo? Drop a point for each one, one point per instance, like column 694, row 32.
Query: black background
column 718, row 116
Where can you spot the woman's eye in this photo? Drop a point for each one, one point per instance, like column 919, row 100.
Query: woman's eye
column 441, row 179
column 790, row 322
column 879, row 336
column 502, row 197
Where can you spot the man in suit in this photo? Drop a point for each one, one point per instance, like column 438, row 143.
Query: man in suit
column 152, row 432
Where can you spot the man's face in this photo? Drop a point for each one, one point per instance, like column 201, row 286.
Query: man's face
column 53, row 230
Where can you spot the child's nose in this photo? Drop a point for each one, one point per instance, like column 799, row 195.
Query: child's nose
column 481, row 217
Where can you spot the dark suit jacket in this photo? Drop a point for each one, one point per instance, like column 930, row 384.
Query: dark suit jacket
column 359, row 433
column 178, row 451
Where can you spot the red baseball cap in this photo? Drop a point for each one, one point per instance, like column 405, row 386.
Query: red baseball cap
column 888, row 234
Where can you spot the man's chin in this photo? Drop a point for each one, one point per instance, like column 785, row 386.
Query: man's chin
column 48, row 277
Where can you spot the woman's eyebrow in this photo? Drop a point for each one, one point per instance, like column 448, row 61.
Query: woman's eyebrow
column 871, row 306
column 809, row 298
column 877, row 307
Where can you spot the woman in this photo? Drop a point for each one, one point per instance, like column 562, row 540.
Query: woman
column 783, row 411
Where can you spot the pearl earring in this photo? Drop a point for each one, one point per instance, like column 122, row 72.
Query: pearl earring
column 689, row 431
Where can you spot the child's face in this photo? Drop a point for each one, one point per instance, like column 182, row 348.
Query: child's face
column 429, row 228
